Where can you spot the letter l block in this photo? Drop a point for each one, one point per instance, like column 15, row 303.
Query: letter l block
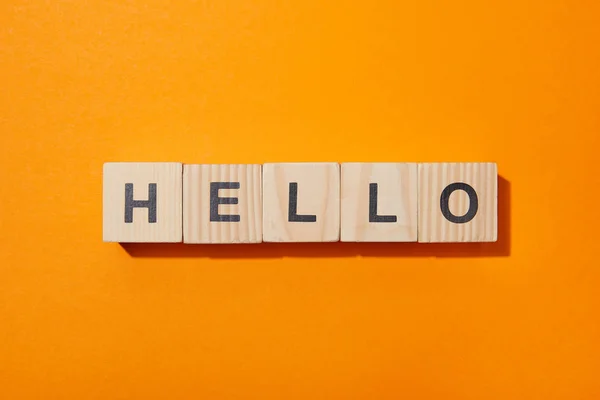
column 379, row 202
column 142, row 202
column 301, row 202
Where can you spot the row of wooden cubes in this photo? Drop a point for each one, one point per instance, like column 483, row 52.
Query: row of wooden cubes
column 300, row 202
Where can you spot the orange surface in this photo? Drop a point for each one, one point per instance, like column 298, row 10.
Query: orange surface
column 85, row 82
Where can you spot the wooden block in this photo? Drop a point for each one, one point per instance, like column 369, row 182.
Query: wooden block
column 379, row 202
column 301, row 202
column 222, row 203
column 458, row 202
column 142, row 202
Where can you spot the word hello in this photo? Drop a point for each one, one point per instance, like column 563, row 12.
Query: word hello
column 300, row 202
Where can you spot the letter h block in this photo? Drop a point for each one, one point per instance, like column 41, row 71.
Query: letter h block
column 222, row 203
column 301, row 202
column 142, row 202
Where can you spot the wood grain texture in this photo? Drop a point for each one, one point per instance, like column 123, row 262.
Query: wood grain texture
column 197, row 224
column 396, row 201
column 318, row 195
column 434, row 226
column 168, row 180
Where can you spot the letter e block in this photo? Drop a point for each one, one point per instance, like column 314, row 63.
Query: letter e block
column 379, row 202
column 301, row 202
column 222, row 203
column 142, row 202
column 458, row 202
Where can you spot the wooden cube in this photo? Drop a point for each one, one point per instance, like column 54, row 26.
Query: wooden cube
column 379, row 202
column 458, row 202
column 142, row 202
column 222, row 203
column 301, row 202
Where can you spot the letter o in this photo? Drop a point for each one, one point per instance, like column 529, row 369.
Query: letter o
column 445, row 202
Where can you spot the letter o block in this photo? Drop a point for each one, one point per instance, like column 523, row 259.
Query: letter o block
column 458, row 202
column 222, row 203
column 142, row 202
column 301, row 202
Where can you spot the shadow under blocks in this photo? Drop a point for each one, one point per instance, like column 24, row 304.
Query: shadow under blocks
column 500, row 248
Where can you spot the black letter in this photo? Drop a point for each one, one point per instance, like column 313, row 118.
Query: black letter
column 373, row 217
column 130, row 203
column 215, row 200
column 445, row 200
column 292, row 216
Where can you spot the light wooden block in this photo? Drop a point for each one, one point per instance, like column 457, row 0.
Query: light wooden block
column 222, row 203
column 142, row 202
column 301, row 202
column 458, row 202
column 379, row 202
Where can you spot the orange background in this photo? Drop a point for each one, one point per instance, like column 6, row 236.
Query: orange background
column 85, row 82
